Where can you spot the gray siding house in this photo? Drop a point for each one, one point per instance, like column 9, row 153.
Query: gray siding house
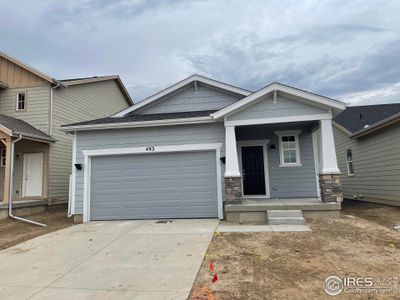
column 203, row 148
column 367, row 142
column 32, row 108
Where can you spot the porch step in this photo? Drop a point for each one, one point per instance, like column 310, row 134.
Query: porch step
column 285, row 217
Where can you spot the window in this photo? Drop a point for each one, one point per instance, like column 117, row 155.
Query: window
column 289, row 148
column 3, row 157
column 349, row 162
column 21, row 101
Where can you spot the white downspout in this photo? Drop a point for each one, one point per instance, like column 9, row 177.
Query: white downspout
column 51, row 107
column 10, row 212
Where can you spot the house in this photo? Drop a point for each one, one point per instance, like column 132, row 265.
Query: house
column 367, row 142
column 206, row 149
column 32, row 108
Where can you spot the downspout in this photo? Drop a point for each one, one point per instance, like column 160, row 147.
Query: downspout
column 10, row 212
column 51, row 107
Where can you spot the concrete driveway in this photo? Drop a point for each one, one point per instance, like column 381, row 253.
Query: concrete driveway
column 108, row 260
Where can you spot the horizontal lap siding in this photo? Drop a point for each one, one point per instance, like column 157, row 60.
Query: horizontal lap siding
column 265, row 108
column 286, row 182
column 75, row 104
column 37, row 105
column 142, row 137
column 187, row 99
column 376, row 164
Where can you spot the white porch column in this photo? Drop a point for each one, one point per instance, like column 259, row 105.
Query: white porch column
column 328, row 153
column 231, row 156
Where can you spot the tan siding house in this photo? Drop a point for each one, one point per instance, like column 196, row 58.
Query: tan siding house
column 33, row 106
column 371, row 135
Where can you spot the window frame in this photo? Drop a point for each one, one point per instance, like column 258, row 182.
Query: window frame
column 296, row 134
column 17, row 101
column 3, row 150
column 348, row 162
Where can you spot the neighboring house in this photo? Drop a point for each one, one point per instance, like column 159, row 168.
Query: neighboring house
column 184, row 151
column 33, row 106
column 367, row 142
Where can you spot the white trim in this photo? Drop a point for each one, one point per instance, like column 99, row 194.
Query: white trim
column 264, row 145
column 347, row 163
column 179, row 85
column 315, row 117
column 340, row 127
column 316, row 161
column 282, row 88
column 73, row 183
column 179, row 121
column 88, row 154
column 328, row 152
column 296, row 134
column 231, row 156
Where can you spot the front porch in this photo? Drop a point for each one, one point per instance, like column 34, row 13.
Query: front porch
column 255, row 210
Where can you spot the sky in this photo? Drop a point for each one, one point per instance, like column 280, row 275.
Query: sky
column 348, row 50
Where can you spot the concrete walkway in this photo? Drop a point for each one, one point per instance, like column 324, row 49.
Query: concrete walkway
column 108, row 260
column 261, row 228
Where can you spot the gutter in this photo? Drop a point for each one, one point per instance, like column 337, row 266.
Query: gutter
column 180, row 121
column 10, row 212
column 58, row 84
column 388, row 121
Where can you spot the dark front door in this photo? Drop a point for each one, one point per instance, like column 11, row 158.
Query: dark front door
column 253, row 170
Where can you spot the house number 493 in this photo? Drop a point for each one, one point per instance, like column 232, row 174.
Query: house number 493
column 150, row 149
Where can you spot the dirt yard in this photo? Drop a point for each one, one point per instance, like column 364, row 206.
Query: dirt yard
column 13, row 232
column 361, row 243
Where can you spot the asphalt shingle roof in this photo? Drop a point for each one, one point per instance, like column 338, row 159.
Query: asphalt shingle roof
column 20, row 127
column 132, row 117
column 356, row 118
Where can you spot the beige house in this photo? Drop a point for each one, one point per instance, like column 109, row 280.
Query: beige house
column 32, row 108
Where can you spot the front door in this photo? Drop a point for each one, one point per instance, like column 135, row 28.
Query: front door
column 253, row 170
column 32, row 181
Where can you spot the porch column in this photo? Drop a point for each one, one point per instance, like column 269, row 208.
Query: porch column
column 329, row 178
column 233, row 184
column 7, row 170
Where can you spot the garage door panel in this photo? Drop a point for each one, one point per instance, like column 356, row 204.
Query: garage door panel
column 168, row 185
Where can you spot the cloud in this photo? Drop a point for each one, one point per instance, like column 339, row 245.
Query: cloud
column 341, row 49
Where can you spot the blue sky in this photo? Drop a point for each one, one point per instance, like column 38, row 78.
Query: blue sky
column 349, row 50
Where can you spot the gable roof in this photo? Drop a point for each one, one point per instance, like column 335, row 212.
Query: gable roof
column 132, row 120
column 15, row 127
column 84, row 80
column 30, row 69
column 276, row 86
column 359, row 120
column 192, row 79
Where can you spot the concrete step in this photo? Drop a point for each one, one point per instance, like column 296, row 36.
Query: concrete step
column 285, row 217
column 275, row 213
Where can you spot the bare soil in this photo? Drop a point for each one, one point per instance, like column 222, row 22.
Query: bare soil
column 272, row 265
column 13, row 232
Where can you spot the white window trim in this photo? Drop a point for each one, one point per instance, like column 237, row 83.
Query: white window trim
column 296, row 134
column 17, row 100
column 264, row 144
column 88, row 154
column 347, row 163
column 1, row 157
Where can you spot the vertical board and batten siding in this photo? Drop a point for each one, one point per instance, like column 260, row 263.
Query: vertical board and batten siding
column 286, row 182
column 142, row 137
column 284, row 107
column 15, row 76
column 376, row 165
column 77, row 103
column 37, row 105
column 187, row 99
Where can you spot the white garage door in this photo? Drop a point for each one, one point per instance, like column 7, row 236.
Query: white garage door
column 154, row 186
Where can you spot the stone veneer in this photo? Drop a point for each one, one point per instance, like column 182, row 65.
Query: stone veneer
column 233, row 190
column 331, row 188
